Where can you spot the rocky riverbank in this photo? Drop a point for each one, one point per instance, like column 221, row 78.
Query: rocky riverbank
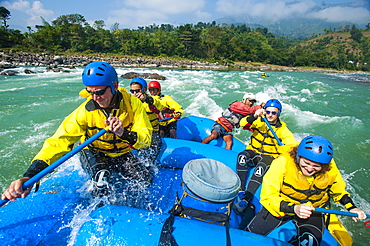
column 17, row 59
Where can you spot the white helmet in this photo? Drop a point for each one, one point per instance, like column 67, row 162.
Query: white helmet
column 249, row 96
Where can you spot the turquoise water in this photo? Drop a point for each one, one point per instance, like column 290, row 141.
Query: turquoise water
column 335, row 106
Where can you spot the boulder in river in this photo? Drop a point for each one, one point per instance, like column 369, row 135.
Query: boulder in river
column 150, row 76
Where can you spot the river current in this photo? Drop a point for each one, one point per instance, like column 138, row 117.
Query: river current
column 335, row 106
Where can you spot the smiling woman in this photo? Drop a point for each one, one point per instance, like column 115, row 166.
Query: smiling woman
column 310, row 168
column 296, row 183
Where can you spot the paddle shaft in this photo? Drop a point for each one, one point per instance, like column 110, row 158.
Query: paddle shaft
column 331, row 211
column 52, row 167
column 165, row 119
column 272, row 130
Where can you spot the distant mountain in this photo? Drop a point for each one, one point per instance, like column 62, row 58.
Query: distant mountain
column 297, row 28
column 294, row 27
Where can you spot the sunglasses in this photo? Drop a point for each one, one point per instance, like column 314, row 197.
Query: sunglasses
column 135, row 91
column 153, row 89
column 99, row 92
column 271, row 112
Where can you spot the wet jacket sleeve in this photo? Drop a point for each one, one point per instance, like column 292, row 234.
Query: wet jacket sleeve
column 286, row 136
column 270, row 191
column 174, row 105
column 243, row 109
column 338, row 190
column 247, row 121
column 69, row 132
column 157, row 103
column 141, row 124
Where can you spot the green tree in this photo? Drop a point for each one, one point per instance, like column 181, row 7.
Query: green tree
column 4, row 16
column 356, row 34
column 45, row 38
column 211, row 39
column 190, row 39
column 72, row 33
column 114, row 27
column 99, row 24
column 125, row 39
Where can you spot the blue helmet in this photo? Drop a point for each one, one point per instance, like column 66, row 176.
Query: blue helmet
column 316, row 148
column 141, row 81
column 274, row 103
column 99, row 73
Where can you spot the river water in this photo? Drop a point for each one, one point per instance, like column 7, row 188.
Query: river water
column 335, row 106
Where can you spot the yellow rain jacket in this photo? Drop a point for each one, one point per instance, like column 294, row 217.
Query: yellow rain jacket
column 87, row 120
column 153, row 116
column 168, row 102
column 263, row 141
column 285, row 183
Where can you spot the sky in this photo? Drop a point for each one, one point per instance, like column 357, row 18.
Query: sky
column 134, row 13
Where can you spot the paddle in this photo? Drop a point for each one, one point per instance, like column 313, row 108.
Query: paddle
column 272, row 130
column 49, row 169
column 331, row 211
column 165, row 119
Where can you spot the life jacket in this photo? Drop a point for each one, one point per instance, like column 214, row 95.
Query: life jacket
column 234, row 113
column 170, row 107
column 109, row 143
column 166, row 113
column 153, row 112
column 232, row 117
column 263, row 141
column 298, row 189
column 89, row 119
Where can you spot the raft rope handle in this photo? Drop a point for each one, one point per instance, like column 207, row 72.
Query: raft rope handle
column 367, row 224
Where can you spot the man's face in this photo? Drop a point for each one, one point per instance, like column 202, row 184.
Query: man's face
column 272, row 114
column 154, row 91
column 102, row 94
column 248, row 102
column 135, row 89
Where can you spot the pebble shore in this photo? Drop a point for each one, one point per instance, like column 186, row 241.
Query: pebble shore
column 17, row 59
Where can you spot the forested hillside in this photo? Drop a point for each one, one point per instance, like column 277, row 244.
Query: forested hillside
column 348, row 48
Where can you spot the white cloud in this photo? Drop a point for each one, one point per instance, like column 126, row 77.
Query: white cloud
column 33, row 10
column 128, row 18
column 337, row 14
column 147, row 12
column 20, row 5
column 281, row 9
column 36, row 12
column 201, row 16
column 167, row 6
column 270, row 9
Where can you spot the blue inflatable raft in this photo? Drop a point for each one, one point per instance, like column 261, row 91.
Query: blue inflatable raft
column 59, row 213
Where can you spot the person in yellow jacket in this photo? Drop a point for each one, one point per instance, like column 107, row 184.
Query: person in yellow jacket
column 170, row 113
column 108, row 159
column 303, row 178
column 138, row 88
column 260, row 152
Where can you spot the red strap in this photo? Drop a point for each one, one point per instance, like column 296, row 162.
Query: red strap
column 154, row 109
column 367, row 224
